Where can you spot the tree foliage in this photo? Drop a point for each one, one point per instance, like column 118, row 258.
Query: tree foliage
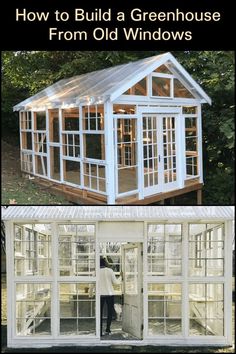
column 25, row 73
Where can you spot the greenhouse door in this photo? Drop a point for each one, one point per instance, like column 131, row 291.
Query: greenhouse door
column 159, row 152
column 133, row 283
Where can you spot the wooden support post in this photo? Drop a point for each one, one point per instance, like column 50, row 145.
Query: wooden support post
column 199, row 197
column 172, row 201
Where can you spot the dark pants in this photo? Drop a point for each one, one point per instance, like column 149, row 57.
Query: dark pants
column 109, row 300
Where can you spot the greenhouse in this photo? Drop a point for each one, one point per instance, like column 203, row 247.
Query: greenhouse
column 176, row 264
column 127, row 134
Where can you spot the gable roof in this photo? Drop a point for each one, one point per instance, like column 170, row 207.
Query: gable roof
column 107, row 84
column 118, row 213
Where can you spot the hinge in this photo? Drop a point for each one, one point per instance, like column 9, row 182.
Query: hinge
column 141, row 290
column 142, row 327
column 141, row 253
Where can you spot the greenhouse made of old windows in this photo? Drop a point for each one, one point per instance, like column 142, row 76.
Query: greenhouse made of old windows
column 127, row 134
column 176, row 264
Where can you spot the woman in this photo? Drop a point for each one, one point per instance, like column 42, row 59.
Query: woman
column 106, row 281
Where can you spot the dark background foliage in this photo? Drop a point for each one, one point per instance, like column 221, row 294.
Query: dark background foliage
column 24, row 73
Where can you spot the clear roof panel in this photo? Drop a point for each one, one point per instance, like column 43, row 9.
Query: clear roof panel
column 117, row 213
column 96, row 86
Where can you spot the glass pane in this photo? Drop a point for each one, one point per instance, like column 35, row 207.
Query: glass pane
column 206, row 309
column 164, row 249
column 164, row 309
column 139, row 89
column 77, row 308
column 33, row 309
column 160, row 86
column 94, row 146
column 156, row 327
column 40, row 121
column 76, row 250
column 32, row 249
column 70, row 119
column 173, row 327
column 180, row 90
column 206, row 250
column 131, row 271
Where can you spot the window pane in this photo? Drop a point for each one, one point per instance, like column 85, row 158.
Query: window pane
column 77, row 309
column 164, row 309
column 77, row 250
column 70, row 119
column 160, row 86
column 33, row 309
column 206, row 309
column 94, row 146
column 72, row 171
column 32, row 249
column 206, row 249
column 139, row 89
column 164, row 249
column 180, row 90
column 40, row 121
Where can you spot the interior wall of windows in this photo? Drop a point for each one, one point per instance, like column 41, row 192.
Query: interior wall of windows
column 32, row 250
column 184, row 279
column 202, row 277
column 34, row 279
column 164, row 261
column 206, row 250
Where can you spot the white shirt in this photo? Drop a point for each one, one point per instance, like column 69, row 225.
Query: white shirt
column 106, row 281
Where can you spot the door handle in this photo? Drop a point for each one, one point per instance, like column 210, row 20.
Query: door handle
column 159, row 158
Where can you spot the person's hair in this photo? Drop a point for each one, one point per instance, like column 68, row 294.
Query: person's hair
column 103, row 262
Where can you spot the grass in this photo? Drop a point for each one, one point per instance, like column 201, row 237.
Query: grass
column 17, row 189
column 21, row 191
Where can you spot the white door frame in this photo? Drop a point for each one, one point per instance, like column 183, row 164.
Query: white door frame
column 161, row 187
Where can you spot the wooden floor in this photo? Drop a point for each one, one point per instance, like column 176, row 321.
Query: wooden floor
column 128, row 182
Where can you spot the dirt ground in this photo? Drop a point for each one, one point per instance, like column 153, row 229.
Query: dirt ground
column 17, row 189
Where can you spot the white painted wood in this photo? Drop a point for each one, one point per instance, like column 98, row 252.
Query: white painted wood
column 55, row 310
column 109, row 153
column 200, row 143
column 60, row 145
column 81, row 137
column 120, row 230
column 48, row 147
column 9, row 282
column 132, row 317
column 185, row 305
column 140, row 157
column 228, row 282
column 180, row 150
